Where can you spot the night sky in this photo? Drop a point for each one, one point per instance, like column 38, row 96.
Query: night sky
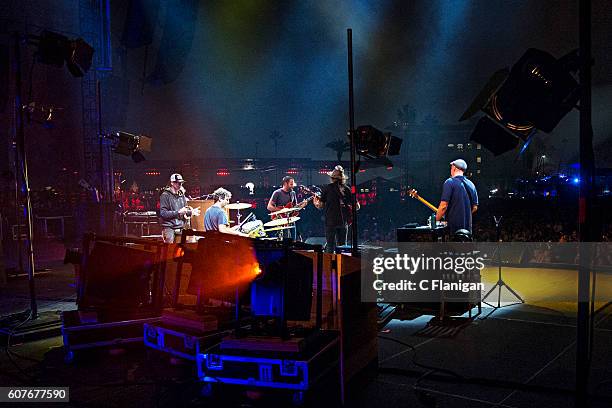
column 220, row 76
column 253, row 67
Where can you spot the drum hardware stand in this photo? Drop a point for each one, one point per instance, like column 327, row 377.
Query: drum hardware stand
column 238, row 216
column 500, row 282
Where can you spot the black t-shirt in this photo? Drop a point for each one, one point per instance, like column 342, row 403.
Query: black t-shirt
column 280, row 198
column 336, row 198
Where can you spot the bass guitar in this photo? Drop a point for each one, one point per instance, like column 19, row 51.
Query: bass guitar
column 414, row 194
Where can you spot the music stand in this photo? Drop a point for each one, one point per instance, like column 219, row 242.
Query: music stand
column 500, row 281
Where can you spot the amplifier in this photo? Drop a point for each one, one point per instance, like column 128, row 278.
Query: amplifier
column 422, row 234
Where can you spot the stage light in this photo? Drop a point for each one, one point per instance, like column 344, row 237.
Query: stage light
column 55, row 49
column 576, row 180
column 373, row 143
column 131, row 145
column 534, row 95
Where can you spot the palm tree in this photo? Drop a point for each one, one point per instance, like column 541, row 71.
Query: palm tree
column 339, row 146
column 275, row 136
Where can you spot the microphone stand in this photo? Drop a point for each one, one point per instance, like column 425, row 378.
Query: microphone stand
column 500, row 282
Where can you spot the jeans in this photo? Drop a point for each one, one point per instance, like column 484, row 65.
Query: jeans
column 170, row 235
column 335, row 235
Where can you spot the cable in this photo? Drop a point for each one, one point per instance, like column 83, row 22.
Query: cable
column 8, row 346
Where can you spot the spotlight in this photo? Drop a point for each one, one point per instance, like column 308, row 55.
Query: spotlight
column 373, row 143
column 128, row 144
column 534, row 95
column 55, row 49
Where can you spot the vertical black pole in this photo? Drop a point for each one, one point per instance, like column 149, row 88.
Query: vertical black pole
column 101, row 206
column 585, row 223
column 101, row 161
column 21, row 150
column 354, row 229
column 319, row 318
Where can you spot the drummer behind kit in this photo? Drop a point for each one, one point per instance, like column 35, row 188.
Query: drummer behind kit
column 283, row 219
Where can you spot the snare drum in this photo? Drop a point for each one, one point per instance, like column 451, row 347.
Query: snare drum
column 253, row 229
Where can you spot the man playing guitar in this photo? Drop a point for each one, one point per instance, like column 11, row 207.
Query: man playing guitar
column 335, row 199
column 285, row 196
column 459, row 199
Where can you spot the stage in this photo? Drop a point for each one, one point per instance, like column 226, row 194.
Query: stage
column 531, row 344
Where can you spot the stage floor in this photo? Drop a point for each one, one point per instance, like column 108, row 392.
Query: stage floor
column 532, row 343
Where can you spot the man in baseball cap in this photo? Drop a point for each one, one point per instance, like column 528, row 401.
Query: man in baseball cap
column 459, row 163
column 173, row 209
column 176, row 178
column 459, row 199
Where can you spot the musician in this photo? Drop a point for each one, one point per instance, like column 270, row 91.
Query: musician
column 173, row 209
column 335, row 199
column 215, row 218
column 285, row 195
column 459, row 199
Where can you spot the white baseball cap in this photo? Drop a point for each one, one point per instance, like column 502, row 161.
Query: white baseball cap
column 460, row 164
column 177, row 178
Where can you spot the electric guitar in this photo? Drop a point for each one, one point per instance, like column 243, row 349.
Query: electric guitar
column 290, row 205
column 413, row 193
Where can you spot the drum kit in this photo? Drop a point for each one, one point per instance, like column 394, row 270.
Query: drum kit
column 257, row 229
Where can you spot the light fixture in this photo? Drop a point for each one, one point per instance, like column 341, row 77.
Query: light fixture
column 534, row 95
column 131, row 145
column 373, row 143
column 55, row 49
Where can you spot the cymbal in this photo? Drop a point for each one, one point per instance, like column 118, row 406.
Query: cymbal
column 238, row 206
column 277, row 229
column 285, row 210
column 281, row 221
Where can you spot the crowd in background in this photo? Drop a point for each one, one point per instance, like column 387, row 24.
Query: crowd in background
column 536, row 219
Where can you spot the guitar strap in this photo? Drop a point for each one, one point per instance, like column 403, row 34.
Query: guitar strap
column 467, row 190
